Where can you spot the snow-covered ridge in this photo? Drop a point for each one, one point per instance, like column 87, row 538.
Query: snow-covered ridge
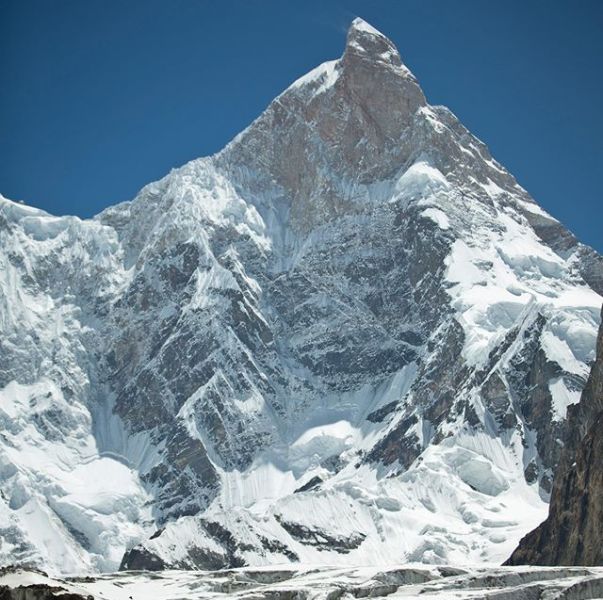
column 349, row 337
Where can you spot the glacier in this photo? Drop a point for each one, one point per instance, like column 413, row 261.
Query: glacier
column 348, row 338
column 288, row 581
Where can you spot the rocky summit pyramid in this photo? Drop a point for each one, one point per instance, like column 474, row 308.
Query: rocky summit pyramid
column 350, row 337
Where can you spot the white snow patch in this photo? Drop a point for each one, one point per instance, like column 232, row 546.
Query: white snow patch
column 324, row 76
column 438, row 217
column 420, row 180
column 562, row 398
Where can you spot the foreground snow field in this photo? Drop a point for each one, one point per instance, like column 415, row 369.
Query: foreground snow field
column 284, row 583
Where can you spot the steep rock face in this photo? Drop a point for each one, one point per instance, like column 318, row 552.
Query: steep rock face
column 573, row 531
column 350, row 336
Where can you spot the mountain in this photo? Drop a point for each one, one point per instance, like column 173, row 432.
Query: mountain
column 572, row 533
column 350, row 337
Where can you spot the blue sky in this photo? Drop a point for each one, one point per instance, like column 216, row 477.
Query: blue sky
column 100, row 97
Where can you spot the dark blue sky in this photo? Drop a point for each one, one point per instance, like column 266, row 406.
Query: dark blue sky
column 99, row 97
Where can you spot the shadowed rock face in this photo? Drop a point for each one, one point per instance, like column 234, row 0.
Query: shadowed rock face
column 573, row 532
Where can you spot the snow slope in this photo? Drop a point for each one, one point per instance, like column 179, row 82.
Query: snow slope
column 348, row 338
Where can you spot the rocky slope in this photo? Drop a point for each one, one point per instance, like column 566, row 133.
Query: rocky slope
column 349, row 337
column 573, row 532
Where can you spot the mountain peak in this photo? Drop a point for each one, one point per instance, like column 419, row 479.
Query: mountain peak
column 366, row 42
column 359, row 24
column 345, row 116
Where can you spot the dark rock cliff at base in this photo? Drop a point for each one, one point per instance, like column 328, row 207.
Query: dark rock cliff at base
column 35, row 591
column 38, row 592
column 573, row 532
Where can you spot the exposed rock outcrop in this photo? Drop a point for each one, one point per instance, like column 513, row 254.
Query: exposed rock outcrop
column 573, row 532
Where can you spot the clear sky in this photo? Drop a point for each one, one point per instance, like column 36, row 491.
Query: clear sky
column 100, row 97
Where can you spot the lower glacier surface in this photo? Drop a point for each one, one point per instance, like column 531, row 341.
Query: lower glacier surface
column 301, row 583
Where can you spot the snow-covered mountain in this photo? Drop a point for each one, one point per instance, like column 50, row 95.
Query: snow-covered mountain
column 350, row 337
